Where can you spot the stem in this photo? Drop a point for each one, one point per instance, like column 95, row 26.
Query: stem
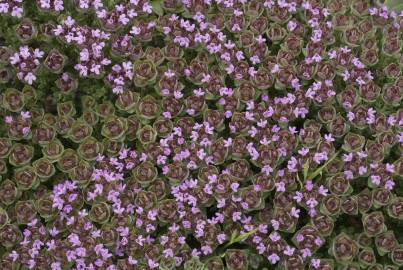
column 320, row 169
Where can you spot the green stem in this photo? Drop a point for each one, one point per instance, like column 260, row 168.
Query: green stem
column 320, row 169
column 240, row 238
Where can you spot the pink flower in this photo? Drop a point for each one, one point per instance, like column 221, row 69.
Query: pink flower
column 8, row 119
column 273, row 258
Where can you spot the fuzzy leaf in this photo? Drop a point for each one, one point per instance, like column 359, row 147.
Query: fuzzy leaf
column 396, row 5
column 157, row 7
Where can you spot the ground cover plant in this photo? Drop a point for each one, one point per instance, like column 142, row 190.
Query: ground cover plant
column 201, row 134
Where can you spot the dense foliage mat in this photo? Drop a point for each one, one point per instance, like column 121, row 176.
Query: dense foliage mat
column 201, row 134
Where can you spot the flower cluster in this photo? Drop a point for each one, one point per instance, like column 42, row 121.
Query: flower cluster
column 12, row 7
column 26, row 62
column 89, row 41
column 50, row 5
column 195, row 135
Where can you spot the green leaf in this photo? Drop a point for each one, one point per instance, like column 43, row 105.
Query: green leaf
column 321, row 168
column 244, row 236
column 306, row 169
column 157, row 7
column 233, row 236
column 238, row 238
column 395, row 5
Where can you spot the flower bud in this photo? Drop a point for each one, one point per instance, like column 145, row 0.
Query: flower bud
column 5, row 147
column 82, row 173
column 10, row 236
column 55, row 61
column 392, row 94
column 167, row 263
column 68, row 160
column 264, row 80
column 66, row 83
column 341, row 21
column 109, row 235
column 353, row 142
column 339, row 185
column 236, row 259
column 344, row 249
column 53, row 150
column 330, row 205
column 145, row 199
column 5, row 75
column 64, row 124
column 66, row 109
column 353, row 36
column 177, row 172
column 145, row 73
column 385, row 242
column 194, row 264
column 79, row 131
column 3, row 218
column 99, row 213
column 364, row 200
column 159, row 188
column 114, row 127
column 350, row 206
column 26, row 178
column 90, row 117
column 310, row 137
column 375, row 151
column 263, row 181
column 13, row 100
column 25, row 211
column 172, row 105
column 148, row 108
column 20, row 154
column 147, row 134
column 133, row 125
column 323, row 223
column 163, row 127
column 105, row 109
column 5, row 54
column 389, row 267
column 391, row 46
column 155, row 55
column 370, row 92
column 112, row 147
column 392, row 71
column 276, row 33
column 215, row 263
column 397, row 255
column 369, row 57
column 43, row 134
column 145, row 173
column 381, row 197
column 25, row 31
column 253, row 198
column 89, row 149
column 172, row 51
column 374, row 223
column 395, row 208
column 167, row 212
column 218, row 151
column 48, row 119
column 360, row 7
column 127, row 101
column 8, row 192
column 44, row 206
